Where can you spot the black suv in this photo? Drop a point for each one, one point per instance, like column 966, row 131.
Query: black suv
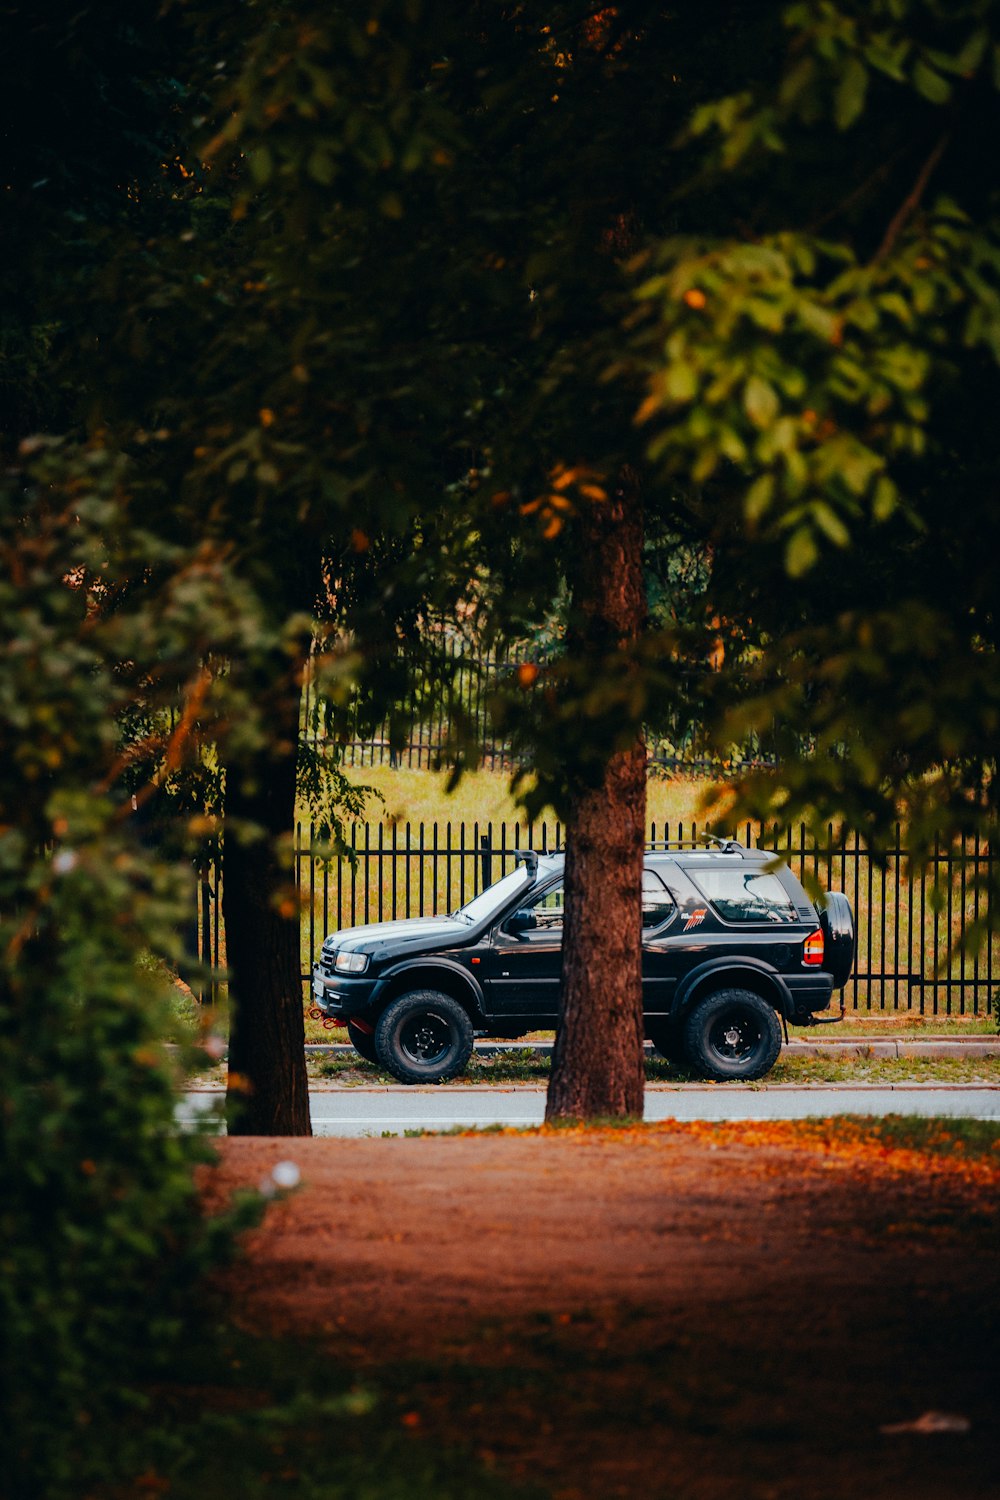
column 731, row 943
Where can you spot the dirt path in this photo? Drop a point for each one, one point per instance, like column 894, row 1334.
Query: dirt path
column 687, row 1313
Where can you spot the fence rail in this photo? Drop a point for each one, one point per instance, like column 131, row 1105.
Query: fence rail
column 910, row 926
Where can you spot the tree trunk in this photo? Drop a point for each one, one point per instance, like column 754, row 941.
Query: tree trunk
column 597, row 1068
column 267, row 1092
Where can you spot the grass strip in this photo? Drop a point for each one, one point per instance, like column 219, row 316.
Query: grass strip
column 521, row 1065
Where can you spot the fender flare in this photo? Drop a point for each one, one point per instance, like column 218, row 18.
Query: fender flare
column 471, row 989
column 765, row 980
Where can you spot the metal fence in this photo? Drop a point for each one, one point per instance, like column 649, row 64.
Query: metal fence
column 910, row 926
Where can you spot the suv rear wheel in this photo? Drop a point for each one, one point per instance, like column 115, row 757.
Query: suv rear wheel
column 732, row 1034
column 423, row 1037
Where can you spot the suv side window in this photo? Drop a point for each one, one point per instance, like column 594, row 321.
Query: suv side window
column 657, row 902
column 745, row 895
column 548, row 911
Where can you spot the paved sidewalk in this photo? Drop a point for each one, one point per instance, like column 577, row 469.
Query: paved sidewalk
column 929, row 1046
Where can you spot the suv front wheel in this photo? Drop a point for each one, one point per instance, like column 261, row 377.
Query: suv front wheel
column 732, row 1034
column 423, row 1037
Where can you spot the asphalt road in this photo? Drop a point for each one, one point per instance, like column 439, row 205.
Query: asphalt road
column 377, row 1111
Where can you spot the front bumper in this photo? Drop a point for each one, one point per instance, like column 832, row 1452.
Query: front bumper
column 341, row 994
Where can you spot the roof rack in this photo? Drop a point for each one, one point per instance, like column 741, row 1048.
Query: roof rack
column 726, row 846
column 529, row 857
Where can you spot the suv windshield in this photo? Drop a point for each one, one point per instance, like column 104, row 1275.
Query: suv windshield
column 494, row 896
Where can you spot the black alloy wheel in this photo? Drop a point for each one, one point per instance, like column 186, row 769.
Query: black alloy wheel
column 732, row 1034
column 423, row 1037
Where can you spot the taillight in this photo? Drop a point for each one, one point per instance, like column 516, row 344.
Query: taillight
column 812, row 948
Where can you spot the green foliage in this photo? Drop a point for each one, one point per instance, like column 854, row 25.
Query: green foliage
column 822, row 357
column 102, row 1239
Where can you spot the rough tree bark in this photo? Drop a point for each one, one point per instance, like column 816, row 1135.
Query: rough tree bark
column 597, row 1068
column 267, row 1092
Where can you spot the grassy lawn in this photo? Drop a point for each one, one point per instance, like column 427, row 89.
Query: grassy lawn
column 524, row 1066
column 910, row 1025
column 873, row 1025
column 482, row 796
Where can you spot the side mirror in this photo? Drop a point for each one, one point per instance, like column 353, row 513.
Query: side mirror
column 521, row 921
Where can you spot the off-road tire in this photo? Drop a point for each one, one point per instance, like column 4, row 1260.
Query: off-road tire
column 423, row 1037
column 363, row 1042
column 732, row 1034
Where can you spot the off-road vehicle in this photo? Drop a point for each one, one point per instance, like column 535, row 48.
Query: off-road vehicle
column 732, row 947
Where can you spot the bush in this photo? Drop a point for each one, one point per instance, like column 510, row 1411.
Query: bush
column 102, row 1239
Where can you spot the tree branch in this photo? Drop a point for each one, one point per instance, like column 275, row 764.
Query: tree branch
column 911, row 202
column 856, row 193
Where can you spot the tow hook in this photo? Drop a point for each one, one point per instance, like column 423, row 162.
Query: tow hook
column 814, row 1020
column 329, row 1022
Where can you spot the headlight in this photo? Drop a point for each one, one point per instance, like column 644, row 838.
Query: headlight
column 351, row 963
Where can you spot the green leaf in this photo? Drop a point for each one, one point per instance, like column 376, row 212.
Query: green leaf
column 760, row 401
column 731, row 445
column 830, row 524
column 894, row 302
column 817, row 319
column 320, row 167
column 972, row 53
column 758, row 497
column 680, row 381
column 885, row 499
column 704, row 465
column 930, row 84
column 798, row 80
column 801, row 552
column 261, row 165
column 849, row 99
column 888, row 57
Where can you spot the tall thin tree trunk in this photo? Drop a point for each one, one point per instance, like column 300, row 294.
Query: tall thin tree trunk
column 598, row 1064
column 268, row 1091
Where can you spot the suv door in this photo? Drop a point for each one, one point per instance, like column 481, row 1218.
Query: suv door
column 524, row 963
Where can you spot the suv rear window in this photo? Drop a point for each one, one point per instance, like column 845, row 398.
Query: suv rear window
column 657, row 902
column 745, row 895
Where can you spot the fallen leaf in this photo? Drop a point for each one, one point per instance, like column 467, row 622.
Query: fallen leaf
column 930, row 1422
